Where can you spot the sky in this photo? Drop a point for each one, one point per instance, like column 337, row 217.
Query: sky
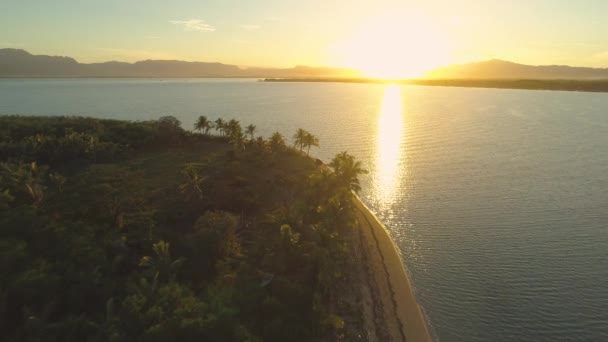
column 285, row 33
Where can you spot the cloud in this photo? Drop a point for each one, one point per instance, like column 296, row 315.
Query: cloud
column 193, row 25
column 250, row 27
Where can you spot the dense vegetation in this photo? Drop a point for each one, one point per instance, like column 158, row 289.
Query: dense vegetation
column 143, row 231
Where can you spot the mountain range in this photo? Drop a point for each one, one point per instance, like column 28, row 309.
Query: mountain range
column 20, row 63
column 499, row 69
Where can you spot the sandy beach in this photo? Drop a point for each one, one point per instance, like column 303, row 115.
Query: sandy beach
column 390, row 310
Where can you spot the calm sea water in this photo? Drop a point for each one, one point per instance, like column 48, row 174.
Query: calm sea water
column 498, row 199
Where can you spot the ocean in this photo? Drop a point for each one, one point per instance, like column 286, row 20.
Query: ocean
column 496, row 198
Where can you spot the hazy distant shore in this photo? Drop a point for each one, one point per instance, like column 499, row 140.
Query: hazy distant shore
column 529, row 84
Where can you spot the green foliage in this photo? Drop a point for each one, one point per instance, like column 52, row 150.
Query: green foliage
column 23, row 183
column 203, row 124
column 121, row 231
column 347, row 170
column 60, row 140
column 220, row 125
column 304, row 139
column 250, row 130
column 277, row 142
column 310, row 140
column 193, row 185
column 299, row 138
column 288, row 235
column 160, row 265
column 223, row 227
column 169, row 313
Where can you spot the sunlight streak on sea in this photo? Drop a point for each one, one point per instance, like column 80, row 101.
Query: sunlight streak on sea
column 388, row 150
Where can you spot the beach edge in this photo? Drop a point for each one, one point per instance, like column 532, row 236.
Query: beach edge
column 413, row 324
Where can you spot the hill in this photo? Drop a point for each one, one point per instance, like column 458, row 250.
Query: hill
column 499, row 69
column 20, row 63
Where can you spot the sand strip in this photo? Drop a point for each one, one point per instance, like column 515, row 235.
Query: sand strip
column 392, row 301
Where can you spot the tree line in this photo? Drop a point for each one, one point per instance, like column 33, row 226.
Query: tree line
column 237, row 136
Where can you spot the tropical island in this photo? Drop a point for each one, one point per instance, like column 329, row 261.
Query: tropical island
column 144, row 231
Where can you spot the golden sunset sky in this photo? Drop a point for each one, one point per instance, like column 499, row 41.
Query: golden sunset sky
column 381, row 38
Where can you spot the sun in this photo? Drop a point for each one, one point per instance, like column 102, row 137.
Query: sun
column 394, row 46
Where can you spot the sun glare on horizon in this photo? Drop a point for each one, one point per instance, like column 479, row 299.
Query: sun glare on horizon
column 394, row 46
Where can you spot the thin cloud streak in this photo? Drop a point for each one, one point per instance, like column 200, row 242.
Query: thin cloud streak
column 193, row 25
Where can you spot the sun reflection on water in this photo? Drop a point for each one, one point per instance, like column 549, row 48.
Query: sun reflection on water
column 390, row 131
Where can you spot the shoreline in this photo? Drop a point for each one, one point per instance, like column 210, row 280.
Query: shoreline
column 390, row 290
column 575, row 85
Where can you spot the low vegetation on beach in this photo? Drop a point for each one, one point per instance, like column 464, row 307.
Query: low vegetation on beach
column 143, row 231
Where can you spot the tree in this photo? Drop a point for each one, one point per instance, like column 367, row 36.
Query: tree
column 23, row 181
column 347, row 170
column 235, row 134
column 260, row 143
column 233, row 126
column 193, row 186
column 169, row 312
column 250, row 130
column 160, row 264
column 223, row 226
column 169, row 121
column 170, row 129
column 220, row 125
column 300, row 138
column 202, row 124
column 310, row 140
column 277, row 142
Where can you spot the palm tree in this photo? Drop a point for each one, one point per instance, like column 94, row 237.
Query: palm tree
column 161, row 265
column 237, row 139
column 347, row 170
column 220, row 125
column 233, row 128
column 25, row 179
column 277, row 142
column 300, row 138
column 250, row 130
column 260, row 143
column 202, row 124
column 310, row 140
column 193, row 186
column 235, row 134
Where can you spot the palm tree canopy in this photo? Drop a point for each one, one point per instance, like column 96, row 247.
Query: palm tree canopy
column 347, row 170
column 310, row 140
column 300, row 138
column 202, row 123
column 220, row 125
column 250, row 130
column 277, row 141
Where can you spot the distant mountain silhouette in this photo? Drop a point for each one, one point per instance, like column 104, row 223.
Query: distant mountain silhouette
column 499, row 69
column 20, row 63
